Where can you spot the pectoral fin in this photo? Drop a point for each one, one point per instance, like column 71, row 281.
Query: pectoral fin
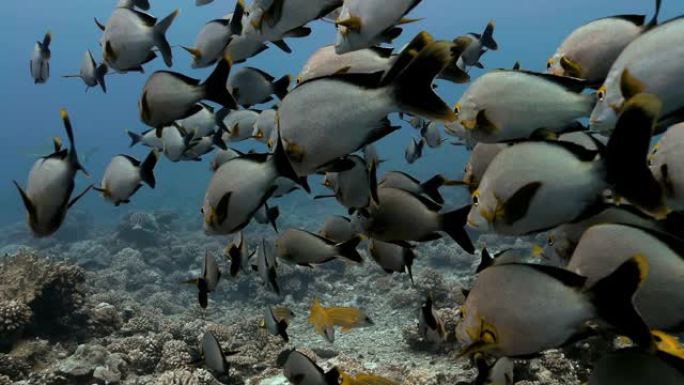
column 517, row 205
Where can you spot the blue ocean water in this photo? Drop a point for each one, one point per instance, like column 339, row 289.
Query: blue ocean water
column 527, row 31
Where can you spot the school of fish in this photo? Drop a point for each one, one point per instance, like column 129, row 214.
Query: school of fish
column 567, row 151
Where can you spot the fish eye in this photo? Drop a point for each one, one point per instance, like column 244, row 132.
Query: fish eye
column 601, row 94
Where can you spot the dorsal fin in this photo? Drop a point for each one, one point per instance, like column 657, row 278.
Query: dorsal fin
column 566, row 277
column 582, row 153
column 634, row 19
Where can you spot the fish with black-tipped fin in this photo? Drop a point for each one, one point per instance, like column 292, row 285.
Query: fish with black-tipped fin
column 268, row 215
column 591, row 49
column 492, row 109
column 241, row 186
column 47, row 197
column 402, row 216
column 274, row 326
column 39, row 64
column 142, row 4
column 266, row 266
column 392, row 258
column 327, row 62
column 129, row 37
column 303, row 248
column 352, row 187
column 237, row 125
column 169, row 96
column 207, row 282
column 535, row 186
column 604, row 247
column 124, row 177
column 338, row 229
column 91, row 74
column 223, row 156
column 429, row 188
column 366, row 23
column 498, row 321
column 312, row 136
column 202, row 123
column 430, row 325
column 414, row 150
column 239, row 256
column 477, row 46
column 147, row 138
column 213, row 355
column 252, row 86
column 640, row 68
column 212, row 39
column 300, row 369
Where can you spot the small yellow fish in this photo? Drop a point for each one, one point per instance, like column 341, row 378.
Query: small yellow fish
column 321, row 321
column 348, row 318
column 364, row 379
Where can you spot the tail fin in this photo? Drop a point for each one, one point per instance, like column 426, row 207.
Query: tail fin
column 407, row 55
column 142, row 4
column 348, row 250
column 627, row 151
column 217, row 140
column 236, row 19
column 654, row 21
column 613, row 298
column 215, row 85
column 487, row 38
column 147, row 168
column 135, row 138
column 159, row 35
column 280, row 86
column 453, row 223
column 73, row 156
column 272, row 213
column 100, row 73
column 47, row 39
column 431, row 188
column 413, row 89
column 284, row 167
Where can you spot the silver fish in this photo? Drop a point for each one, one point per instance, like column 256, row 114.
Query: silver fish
column 202, row 123
column 39, row 64
column 304, row 248
column 175, row 142
column 239, row 255
column 668, row 167
column 50, row 184
column 639, row 367
column 300, row 369
column 392, row 258
column 275, row 327
column 214, row 359
column 480, row 158
column 562, row 241
column 352, row 187
column 401, row 216
column 534, row 186
column 604, row 247
column 365, row 23
column 414, row 150
column 590, row 50
column 252, row 86
column 431, row 135
column 237, row 125
column 213, row 38
column 493, row 109
column 311, row 136
column 148, row 138
column 266, row 266
column 240, row 187
column 124, row 177
column 129, row 37
column 499, row 321
column 641, row 66
column 170, row 96
column 430, row 325
column 403, row 181
column 338, row 229
column 91, row 73
column 478, row 45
